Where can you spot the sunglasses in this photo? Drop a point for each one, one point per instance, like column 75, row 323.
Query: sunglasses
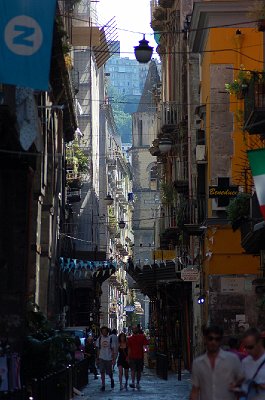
column 214, row 338
column 250, row 347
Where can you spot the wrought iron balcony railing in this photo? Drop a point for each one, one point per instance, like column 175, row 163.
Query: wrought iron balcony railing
column 254, row 107
column 169, row 117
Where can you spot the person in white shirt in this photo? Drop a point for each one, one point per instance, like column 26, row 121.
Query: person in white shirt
column 254, row 365
column 105, row 356
column 215, row 373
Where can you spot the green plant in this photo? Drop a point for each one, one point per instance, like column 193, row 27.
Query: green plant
column 76, row 157
column 239, row 85
column 167, row 193
column 238, row 210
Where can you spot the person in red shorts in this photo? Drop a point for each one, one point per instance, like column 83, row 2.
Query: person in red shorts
column 136, row 344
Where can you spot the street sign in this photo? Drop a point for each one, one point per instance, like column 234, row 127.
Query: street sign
column 129, row 308
column 190, row 274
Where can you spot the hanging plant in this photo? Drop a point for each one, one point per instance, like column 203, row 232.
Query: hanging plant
column 238, row 210
column 167, row 193
column 239, row 85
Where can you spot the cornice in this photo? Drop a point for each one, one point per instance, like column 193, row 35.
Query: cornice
column 216, row 13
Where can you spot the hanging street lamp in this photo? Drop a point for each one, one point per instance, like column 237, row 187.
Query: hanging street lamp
column 143, row 52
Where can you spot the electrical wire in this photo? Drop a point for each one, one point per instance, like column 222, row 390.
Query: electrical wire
column 181, row 31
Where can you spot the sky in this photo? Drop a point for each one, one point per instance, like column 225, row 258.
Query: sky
column 131, row 15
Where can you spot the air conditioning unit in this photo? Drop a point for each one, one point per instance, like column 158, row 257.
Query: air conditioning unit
column 200, row 153
column 215, row 206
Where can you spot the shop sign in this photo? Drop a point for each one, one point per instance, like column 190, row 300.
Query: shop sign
column 190, row 274
column 232, row 285
column 221, row 191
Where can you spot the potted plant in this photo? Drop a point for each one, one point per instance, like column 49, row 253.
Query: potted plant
column 257, row 12
column 239, row 85
column 238, row 210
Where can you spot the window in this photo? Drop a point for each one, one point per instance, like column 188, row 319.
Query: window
column 140, row 132
column 153, row 178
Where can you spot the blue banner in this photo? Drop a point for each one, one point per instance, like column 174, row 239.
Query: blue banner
column 26, row 29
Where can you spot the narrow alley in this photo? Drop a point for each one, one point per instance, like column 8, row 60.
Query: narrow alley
column 152, row 388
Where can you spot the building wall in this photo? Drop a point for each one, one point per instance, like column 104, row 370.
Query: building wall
column 226, row 144
column 146, row 199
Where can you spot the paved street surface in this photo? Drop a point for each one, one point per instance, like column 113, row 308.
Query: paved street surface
column 152, row 388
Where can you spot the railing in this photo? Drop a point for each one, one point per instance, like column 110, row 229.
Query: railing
column 59, row 385
column 80, row 374
column 170, row 113
column 195, row 211
column 254, row 107
column 74, row 74
column 154, row 5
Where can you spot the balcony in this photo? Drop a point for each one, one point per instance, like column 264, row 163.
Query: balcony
column 166, row 3
column 254, row 108
column 112, row 164
column 253, row 229
column 159, row 15
column 194, row 215
column 73, row 195
column 170, row 117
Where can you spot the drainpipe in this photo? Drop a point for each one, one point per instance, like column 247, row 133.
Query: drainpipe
column 189, row 124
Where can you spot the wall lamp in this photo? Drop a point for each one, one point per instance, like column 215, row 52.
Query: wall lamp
column 201, row 299
column 165, row 145
column 143, row 52
column 109, row 200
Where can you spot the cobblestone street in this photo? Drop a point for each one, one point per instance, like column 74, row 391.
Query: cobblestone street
column 152, row 388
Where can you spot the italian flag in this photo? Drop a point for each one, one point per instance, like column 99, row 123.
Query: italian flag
column 257, row 165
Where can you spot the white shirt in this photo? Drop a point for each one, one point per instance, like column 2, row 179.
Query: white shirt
column 250, row 367
column 214, row 382
column 105, row 347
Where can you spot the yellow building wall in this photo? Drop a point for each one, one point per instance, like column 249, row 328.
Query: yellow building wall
column 245, row 50
column 223, row 251
column 224, row 254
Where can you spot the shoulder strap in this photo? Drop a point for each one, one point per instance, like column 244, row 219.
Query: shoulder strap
column 258, row 369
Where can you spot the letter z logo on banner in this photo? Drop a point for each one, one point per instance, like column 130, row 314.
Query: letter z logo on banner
column 26, row 28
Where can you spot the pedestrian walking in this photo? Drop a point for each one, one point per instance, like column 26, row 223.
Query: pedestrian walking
column 254, row 365
column 216, row 373
column 105, row 356
column 234, row 344
column 136, row 344
column 90, row 354
column 115, row 344
column 122, row 362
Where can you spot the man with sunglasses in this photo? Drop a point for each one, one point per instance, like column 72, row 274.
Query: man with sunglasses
column 254, row 365
column 216, row 372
